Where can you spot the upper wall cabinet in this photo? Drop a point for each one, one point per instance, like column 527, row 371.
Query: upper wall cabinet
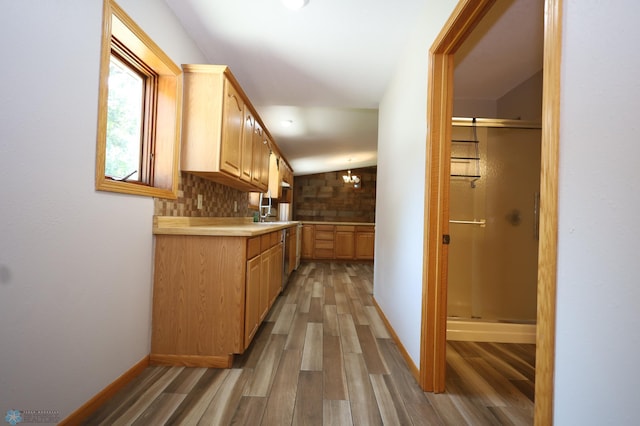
column 222, row 137
column 280, row 178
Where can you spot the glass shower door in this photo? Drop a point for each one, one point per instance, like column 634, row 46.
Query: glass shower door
column 493, row 267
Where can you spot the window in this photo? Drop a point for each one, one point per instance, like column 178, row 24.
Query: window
column 139, row 111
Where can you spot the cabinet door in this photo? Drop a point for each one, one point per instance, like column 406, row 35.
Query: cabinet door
column 293, row 246
column 265, row 271
column 274, row 175
column 264, row 160
column 308, row 239
column 230, row 149
column 275, row 273
column 345, row 242
column 252, row 300
column 365, row 245
column 260, row 168
column 246, row 155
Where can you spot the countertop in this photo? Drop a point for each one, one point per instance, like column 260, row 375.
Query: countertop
column 310, row 222
column 215, row 226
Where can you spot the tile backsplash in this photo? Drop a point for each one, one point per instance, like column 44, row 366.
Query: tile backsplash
column 217, row 200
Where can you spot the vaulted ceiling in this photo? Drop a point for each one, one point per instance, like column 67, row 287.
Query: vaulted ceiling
column 325, row 67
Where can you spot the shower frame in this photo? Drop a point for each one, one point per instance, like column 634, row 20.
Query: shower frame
column 459, row 214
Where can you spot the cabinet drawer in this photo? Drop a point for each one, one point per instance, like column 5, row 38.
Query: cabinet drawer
column 275, row 237
column 324, row 235
column 265, row 241
column 324, row 244
column 324, row 253
column 253, row 247
column 365, row 228
column 328, row 228
column 345, row 228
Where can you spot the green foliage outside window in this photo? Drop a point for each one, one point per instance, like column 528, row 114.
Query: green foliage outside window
column 124, row 122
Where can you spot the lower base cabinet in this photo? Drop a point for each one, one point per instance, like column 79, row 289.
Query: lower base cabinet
column 210, row 296
column 338, row 241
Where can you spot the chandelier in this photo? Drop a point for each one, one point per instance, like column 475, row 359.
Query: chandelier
column 351, row 179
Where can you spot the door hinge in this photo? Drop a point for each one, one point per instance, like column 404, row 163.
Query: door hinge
column 446, row 239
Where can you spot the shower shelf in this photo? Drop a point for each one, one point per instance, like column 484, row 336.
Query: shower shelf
column 465, row 159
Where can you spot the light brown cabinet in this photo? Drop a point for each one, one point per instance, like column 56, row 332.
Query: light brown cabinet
column 248, row 128
column 253, row 298
column 221, row 131
column 307, row 241
column 365, row 242
column 280, row 174
column 231, row 131
column 341, row 242
column 323, row 247
column 275, row 273
column 210, row 295
column 345, row 242
column 261, row 155
column 292, row 243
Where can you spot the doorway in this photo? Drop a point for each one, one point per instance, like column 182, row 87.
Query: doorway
column 493, row 253
column 439, row 114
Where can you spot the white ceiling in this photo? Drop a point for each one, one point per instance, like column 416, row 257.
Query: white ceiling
column 326, row 66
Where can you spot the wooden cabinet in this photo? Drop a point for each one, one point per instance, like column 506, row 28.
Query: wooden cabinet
column 292, row 243
column 248, row 128
column 323, row 247
column 261, row 158
column 365, row 242
column 210, row 296
column 280, row 174
column 274, row 175
column 341, row 242
column 307, row 241
column 221, row 130
column 231, row 132
column 275, row 272
column 345, row 242
column 253, row 298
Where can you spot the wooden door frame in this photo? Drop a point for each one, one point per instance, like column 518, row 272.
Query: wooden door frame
column 467, row 14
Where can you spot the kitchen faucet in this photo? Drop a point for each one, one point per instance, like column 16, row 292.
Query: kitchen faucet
column 263, row 217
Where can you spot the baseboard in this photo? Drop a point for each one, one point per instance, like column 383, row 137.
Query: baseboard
column 89, row 407
column 209, row 361
column 415, row 371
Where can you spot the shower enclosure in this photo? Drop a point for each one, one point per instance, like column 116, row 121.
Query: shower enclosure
column 494, row 205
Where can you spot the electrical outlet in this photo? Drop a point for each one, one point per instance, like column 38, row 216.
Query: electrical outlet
column 199, row 201
column 235, row 207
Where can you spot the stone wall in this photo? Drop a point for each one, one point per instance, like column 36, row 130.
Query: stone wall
column 325, row 197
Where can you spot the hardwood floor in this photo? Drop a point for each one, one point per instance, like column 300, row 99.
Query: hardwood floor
column 324, row 357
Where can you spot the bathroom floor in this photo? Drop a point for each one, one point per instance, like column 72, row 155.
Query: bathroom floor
column 487, row 383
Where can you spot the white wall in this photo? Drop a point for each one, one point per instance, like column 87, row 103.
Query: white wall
column 479, row 108
column 75, row 264
column 598, row 301
column 401, row 183
column 523, row 102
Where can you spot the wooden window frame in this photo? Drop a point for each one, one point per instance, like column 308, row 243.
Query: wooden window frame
column 161, row 130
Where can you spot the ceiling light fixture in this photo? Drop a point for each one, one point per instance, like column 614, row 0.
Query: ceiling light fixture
column 351, row 179
column 286, row 123
column 295, row 4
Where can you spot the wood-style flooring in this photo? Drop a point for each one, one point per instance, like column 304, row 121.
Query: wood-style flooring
column 324, row 357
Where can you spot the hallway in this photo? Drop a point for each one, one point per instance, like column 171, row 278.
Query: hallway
column 324, row 357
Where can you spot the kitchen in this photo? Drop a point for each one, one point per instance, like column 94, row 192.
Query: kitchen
column 76, row 264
